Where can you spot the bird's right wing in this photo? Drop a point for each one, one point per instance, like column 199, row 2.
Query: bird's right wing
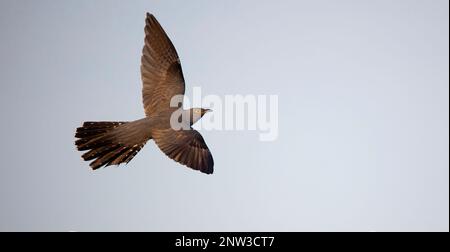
column 186, row 147
column 161, row 71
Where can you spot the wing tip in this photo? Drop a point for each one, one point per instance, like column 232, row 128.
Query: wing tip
column 150, row 16
column 208, row 168
column 208, row 172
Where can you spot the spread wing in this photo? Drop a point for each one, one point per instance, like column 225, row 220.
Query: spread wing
column 186, row 147
column 161, row 71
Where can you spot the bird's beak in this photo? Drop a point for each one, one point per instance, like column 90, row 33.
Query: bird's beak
column 206, row 111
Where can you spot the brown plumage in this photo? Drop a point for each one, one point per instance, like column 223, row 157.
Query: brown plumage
column 113, row 143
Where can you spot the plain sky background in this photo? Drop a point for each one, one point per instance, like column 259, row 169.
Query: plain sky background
column 363, row 115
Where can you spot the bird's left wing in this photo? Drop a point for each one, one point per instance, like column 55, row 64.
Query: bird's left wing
column 161, row 71
column 186, row 147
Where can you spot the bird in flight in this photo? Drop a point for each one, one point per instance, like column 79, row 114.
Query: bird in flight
column 114, row 143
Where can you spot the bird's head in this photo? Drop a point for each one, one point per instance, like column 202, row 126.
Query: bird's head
column 197, row 113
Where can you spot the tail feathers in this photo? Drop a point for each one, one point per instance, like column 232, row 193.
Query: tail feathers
column 93, row 130
column 106, row 143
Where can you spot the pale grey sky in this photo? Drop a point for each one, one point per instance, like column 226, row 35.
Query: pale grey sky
column 363, row 114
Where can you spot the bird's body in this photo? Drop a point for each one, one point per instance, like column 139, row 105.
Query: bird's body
column 113, row 143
